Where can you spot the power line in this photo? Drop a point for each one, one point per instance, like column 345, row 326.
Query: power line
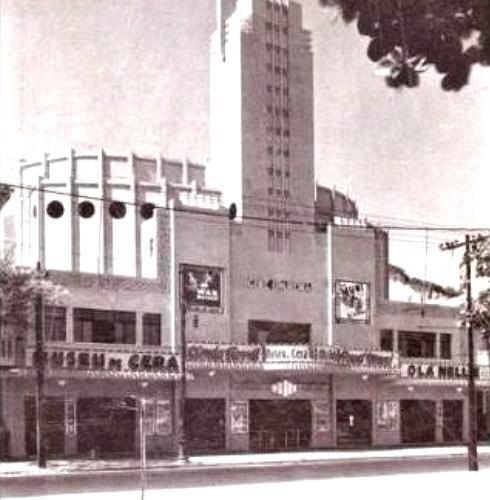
column 222, row 214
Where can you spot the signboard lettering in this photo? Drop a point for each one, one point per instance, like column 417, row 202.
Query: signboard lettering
column 435, row 371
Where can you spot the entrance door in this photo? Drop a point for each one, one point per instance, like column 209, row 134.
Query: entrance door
column 354, row 423
column 204, row 422
column 280, row 425
column 54, row 426
column 106, row 426
column 418, row 421
column 452, row 421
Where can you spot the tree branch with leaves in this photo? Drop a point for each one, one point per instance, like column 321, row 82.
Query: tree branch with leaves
column 409, row 36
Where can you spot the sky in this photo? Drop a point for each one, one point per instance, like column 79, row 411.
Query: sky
column 133, row 75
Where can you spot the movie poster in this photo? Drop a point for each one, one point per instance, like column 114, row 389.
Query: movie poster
column 239, row 417
column 352, row 301
column 321, row 414
column 201, row 286
column 389, row 415
column 70, row 418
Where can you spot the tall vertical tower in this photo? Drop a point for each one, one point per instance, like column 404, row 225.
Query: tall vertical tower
column 261, row 123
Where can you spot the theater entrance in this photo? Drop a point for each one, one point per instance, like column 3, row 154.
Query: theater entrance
column 354, row 423
column 205, row 425
column 418, row 421
column 106, row 426
column 279, row 425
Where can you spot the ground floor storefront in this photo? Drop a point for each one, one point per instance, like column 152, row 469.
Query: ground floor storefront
column 236, row 408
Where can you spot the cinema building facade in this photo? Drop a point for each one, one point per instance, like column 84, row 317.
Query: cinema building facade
column 291, row 340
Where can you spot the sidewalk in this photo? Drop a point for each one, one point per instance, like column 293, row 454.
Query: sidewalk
column 90, row 466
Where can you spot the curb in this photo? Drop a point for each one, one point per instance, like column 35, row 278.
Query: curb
column 190, row 467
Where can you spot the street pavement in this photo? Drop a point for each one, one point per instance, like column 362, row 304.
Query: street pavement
column 62, row 476
column 443, row 485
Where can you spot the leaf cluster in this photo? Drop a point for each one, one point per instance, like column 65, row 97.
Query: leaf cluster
column 408, row 36
column 19, row 288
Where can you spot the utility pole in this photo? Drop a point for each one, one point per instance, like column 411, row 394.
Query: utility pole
column 473, row 438
column 182, row 446
column 39, row 358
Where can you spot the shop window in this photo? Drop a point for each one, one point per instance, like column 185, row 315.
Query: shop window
column 445, row 345
column 386, row 340
column 416, row 344
column 99, row 326
column 151, row 329
column 55, row 323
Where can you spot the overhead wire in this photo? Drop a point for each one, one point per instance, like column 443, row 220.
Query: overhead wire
column 222, row 214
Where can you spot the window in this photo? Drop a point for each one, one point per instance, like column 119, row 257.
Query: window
column 386, row 340
column 151, row 329
column 99, row 326
column 271, row 240
column 269, row 150
column 416, row 344
column 55, row 323
column 268, row 67
column 273, row 332
column 445, row 346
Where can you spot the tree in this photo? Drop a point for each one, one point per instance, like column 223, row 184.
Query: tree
column 22, row 294
column 408, row 36
column 481, row 309
column 19, row 288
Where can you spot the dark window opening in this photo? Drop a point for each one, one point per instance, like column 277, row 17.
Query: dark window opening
column 55, row 323
column 445, row 346
column 111, row 327
column 55, row 209
column 117, row 209
column 151, row 329
column 386, row 340
column 86, row 209
column 273, row 332
column 416, row 344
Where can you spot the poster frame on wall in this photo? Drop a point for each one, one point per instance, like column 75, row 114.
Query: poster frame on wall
column 202, row 287
column 322, row 416
column 352, row 301
column 388, row 415
column 239, row 417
